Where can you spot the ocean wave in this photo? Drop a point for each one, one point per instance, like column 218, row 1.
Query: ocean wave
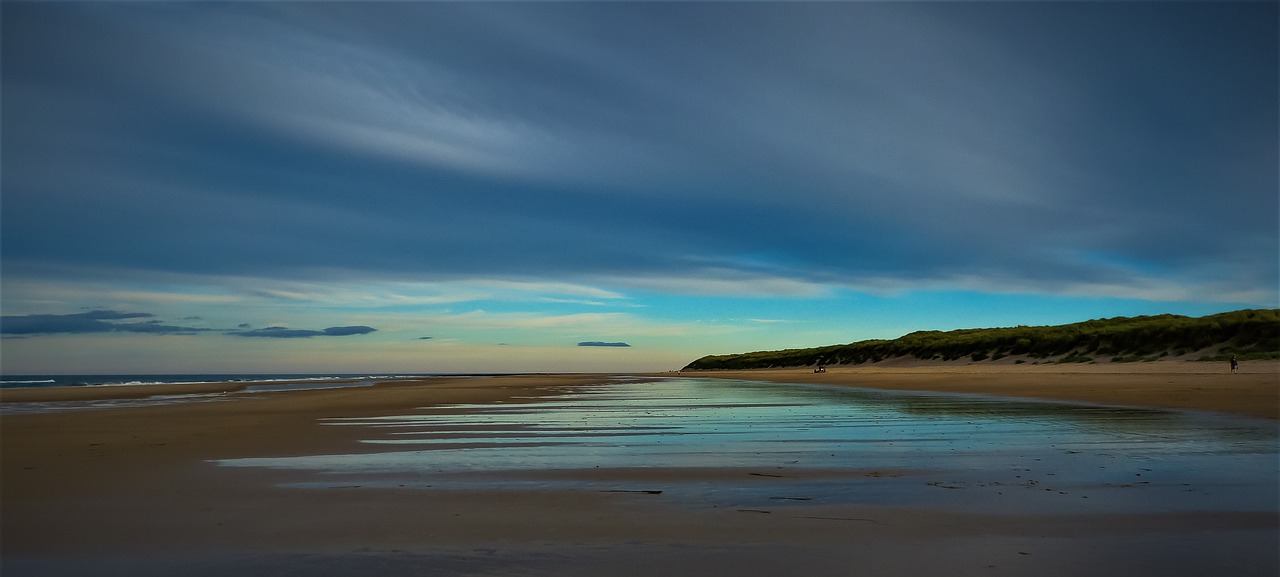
column 138, row 383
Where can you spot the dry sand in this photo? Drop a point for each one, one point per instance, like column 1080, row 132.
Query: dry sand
column 131, row 491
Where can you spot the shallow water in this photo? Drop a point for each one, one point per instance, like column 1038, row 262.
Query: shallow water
column 28, row 407
column 784, row 444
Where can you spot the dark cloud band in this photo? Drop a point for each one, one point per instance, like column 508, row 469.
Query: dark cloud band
column 288, row 333
column 99, row 321
column 87, row 323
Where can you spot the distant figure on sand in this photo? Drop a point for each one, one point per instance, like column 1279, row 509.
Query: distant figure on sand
column 1234, row 364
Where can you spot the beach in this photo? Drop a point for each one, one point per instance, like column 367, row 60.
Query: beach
column 1253, row 390
column 150, row 490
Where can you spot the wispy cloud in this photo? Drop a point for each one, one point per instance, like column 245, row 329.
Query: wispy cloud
column 480, row 319
column 360, row 292
column 726, row 282
column 602, row 344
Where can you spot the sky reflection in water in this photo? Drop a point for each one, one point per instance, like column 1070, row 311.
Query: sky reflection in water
column 816, row 444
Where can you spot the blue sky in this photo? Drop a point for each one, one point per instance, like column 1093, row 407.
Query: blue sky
column 463, row 187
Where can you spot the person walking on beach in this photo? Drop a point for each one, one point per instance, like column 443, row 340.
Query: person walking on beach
column 1234, row 364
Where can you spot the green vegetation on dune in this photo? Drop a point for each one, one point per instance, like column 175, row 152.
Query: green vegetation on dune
column 1246, row 334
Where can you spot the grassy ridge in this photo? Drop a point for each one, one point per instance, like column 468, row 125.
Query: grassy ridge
column 1248, row 334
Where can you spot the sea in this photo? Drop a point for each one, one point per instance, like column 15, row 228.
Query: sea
column 36, row 381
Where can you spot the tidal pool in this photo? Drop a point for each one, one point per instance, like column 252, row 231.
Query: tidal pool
column 753, row 444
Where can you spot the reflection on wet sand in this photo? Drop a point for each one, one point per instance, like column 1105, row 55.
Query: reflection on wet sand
column 765, row 446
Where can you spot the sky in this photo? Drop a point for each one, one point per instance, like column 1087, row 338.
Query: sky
column 414, row 187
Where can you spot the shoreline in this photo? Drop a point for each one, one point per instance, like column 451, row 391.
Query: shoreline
column 1253, row 390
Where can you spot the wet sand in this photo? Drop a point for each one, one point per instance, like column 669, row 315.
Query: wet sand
column 134, row 491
